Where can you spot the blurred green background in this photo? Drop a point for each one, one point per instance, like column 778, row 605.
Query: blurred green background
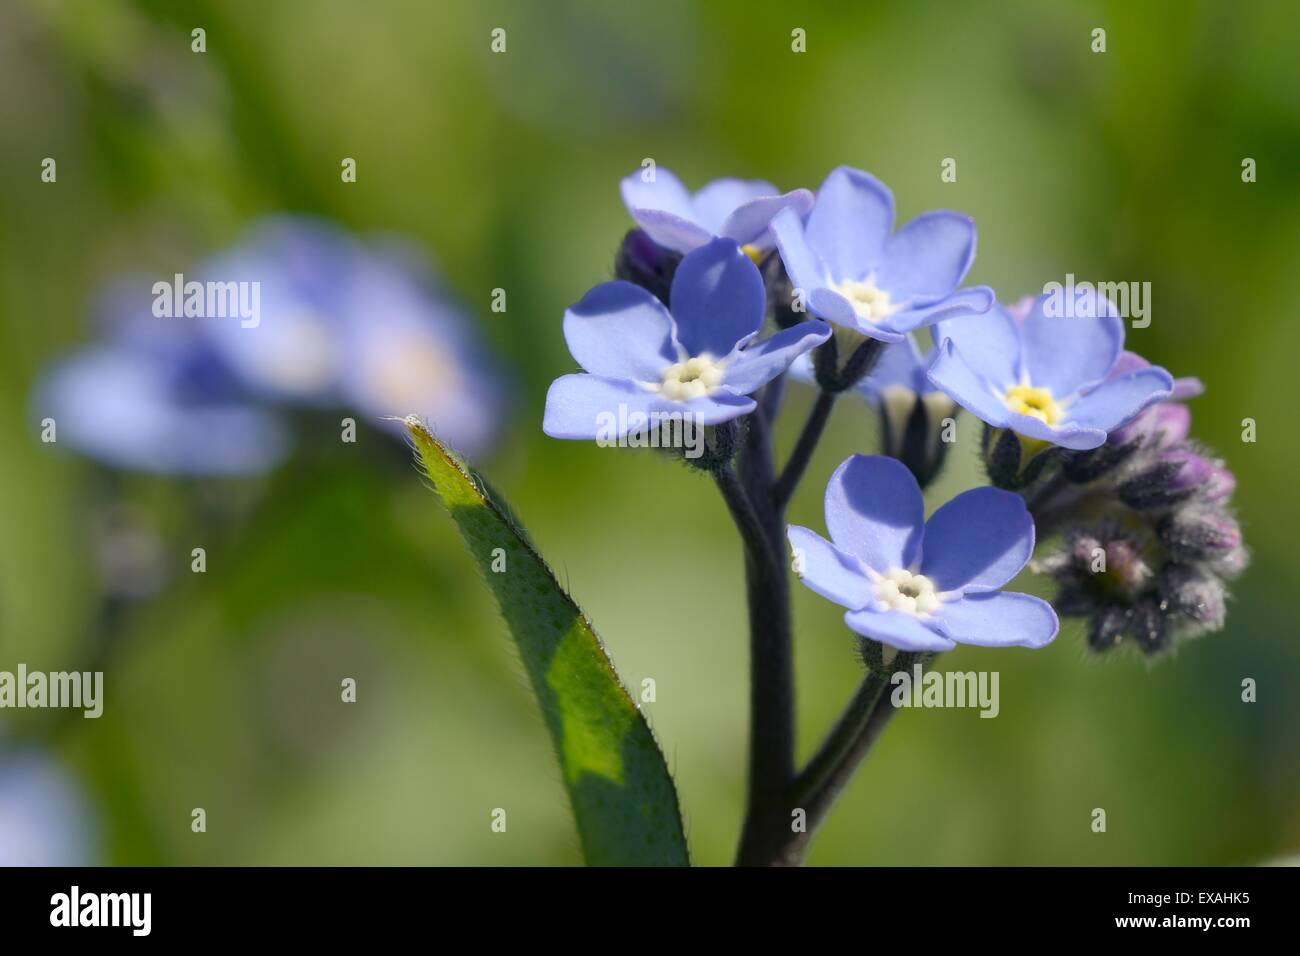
column 223, row 692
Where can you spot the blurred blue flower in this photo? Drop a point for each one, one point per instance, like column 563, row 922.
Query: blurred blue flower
column 643, row 360
column 1050, row 379
column 922, row 585
column 44, row 821
column 854, row 270
column 303, row 269
column 153, row 397
column 736, row 209
column 337, row 324
column 356, row 325
column 411, row 352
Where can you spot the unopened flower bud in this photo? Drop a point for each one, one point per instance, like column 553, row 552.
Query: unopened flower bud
column 1199, row 532
column 1106, row 628
column 1198, row 597
column 1175, row 476
column 1148, row 627
column 780, row 293
column 1221, row 484
column 911, row 429
column 1082, row 467
column 644, row 262
column 1161, row 425
column 1012, row 460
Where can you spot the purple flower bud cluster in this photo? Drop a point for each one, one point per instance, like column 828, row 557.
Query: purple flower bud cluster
column 1149, row 540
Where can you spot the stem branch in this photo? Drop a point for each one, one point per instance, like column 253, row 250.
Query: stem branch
column 813, row 428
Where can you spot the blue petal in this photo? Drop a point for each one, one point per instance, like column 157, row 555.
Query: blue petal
column 999, row 619
column 967, row 302
column 801, row 370
column 1070, row 352
column 119, row 406
column 664, row 209
column 978, row 541
column 850, row 223
column 1118, row 400
column 665, row 194
column 717, row 299
column 990, row 343
column 410, row 352
column 754, row 367
column 749, row 222
column 717, row 200
column 897, row 629
column 620, row 330
column 952, row 374
column 833, row 307
column 1068, row 435
column 303, row 271
column 45, row 818
column 874, row 511
column 1184, row 388
column 589, row 406
column 928, row 257
column 828, row 571
column 804, row 267
column 670, row 230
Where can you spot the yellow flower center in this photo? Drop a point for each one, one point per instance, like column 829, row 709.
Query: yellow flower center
column 1034, row 402
column 754, row 253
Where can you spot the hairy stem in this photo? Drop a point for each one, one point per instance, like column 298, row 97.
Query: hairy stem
column 813, row 428
column 839, row 768
column 771, row 699
column 846, row 730
column 758, row 548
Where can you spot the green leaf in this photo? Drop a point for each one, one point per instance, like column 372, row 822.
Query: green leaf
column 622, row 794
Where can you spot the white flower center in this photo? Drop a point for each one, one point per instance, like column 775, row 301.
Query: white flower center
column 901, row 590
column 868, row 301
column 694, row 378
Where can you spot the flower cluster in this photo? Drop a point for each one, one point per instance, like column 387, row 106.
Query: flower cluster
column 340, row 324
column 1085, row 444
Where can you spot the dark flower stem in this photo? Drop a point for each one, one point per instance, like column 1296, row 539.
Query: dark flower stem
column 803, row 450
column 845, row 731
column 851, row 739
column 757, row 500
column 757, row 547
column 771, row 713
